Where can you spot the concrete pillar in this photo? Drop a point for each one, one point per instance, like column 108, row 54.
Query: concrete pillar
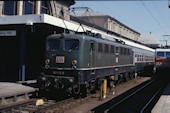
column 53, row 8
column 38, row 7
column 20, row 8
column 22, row 54
column 1, row 6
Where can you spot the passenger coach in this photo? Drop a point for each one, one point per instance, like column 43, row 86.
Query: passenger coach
column 162, row 62
column 162, row 56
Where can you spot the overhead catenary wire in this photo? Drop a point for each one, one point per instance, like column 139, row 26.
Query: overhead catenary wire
column 152, row 16
column 159, row 13
column 111, row 10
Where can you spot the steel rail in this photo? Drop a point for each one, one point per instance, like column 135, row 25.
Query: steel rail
column 127, row 97
column 156, row 94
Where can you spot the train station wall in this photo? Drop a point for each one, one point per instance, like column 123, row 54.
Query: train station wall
column 14, row 54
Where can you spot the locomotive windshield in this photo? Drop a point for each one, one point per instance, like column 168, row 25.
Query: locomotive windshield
column 71, row 44
column 53, row 44
column 168, row 54
column 66, row 44
column 160, row 54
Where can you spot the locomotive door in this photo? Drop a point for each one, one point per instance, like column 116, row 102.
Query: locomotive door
column 92, row 54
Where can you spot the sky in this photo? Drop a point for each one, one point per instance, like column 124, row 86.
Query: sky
column 148, row 17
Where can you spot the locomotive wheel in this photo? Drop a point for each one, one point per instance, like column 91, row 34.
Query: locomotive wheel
column 120, row 79
column 82, row 93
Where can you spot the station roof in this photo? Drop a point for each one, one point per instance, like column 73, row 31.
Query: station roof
column 148, row 40
column 32, row 19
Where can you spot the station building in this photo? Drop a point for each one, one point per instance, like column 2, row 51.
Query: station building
column 24, row 26
column 108, row 23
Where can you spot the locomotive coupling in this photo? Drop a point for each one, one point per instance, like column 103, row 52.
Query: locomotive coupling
column 48, row 82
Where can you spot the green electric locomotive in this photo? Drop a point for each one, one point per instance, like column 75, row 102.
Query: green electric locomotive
column 78, row 62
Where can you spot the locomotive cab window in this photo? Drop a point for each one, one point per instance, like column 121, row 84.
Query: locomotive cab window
column 53, row 44
column 168, row 54
column 71, row 44
column 160, row 54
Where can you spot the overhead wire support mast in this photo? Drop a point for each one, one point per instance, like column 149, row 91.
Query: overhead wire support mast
column 152, row 16
column 166, row 40
column 86, row 11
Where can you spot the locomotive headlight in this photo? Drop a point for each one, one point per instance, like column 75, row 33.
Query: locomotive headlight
column 46, row 66
column 74, row 62
column 47, row 61
column 71, row 80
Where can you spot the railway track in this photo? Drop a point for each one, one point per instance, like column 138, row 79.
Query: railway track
column 139, row 99
column 48, row 106
column 60, row 105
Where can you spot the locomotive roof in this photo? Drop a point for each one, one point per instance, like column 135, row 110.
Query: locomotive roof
column 89, row 37
column 115, row 39
column 162, row 50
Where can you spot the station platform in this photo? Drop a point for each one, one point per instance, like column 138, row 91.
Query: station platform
column 163, row 104
column 95, row 101
column 14, row 92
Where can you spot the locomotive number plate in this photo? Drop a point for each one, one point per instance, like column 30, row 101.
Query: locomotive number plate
column 60, row 59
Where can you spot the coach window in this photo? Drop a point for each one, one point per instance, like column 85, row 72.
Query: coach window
column 9, row 7
column 141, row 57
column 100, row 47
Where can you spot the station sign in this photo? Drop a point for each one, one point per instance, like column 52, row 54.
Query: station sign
column 8, row 33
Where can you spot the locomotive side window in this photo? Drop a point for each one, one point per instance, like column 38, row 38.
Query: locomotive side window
column 53, row 44
column 125, row 51
column 92, row 46
column 117, row 50
column 106, row 48
column 112, row 49
column 128, row 51
column 121, row 50
column 71, row 44
column 100, row 47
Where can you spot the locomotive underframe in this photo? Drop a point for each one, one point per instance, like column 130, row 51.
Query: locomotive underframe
column 74, row 80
